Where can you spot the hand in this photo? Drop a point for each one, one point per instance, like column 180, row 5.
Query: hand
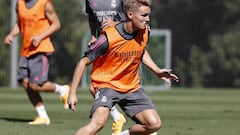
column 8, row 40
column 72, row 100
column 92, row 90
column 35, row 40
column 166, row 75
column 107, row 22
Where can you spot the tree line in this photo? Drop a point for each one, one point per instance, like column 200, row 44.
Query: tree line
column 205, row 40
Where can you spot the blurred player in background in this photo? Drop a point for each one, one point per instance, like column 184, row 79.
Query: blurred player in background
column 102, row 14
column 36, row 21
column 116, row 57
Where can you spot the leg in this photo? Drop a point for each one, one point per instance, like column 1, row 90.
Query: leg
column 140, row 108
column 150, row 122
column 118, row 119
column 38, row 66
column 97, row 122
column 33, row 96
column 52, row 87
column 46, row 87
column 33, row 90
column 36, row 100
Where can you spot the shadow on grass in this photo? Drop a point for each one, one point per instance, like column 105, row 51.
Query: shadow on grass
column 15, row 120
column 24, row 120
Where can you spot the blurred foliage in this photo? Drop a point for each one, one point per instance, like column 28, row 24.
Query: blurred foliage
column 156, row 48
column 205, row 40
column 68, row 40
column 225, row 58
column 200, row 29
column 4, row 51
column 199, row 67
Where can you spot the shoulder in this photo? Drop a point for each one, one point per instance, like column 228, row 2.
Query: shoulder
column 49, row 5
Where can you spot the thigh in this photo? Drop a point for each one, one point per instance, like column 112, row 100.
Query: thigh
column 135, row 103
column 38, row 68
column 105, row 97
column 148, row 117
column 23, row 72
column 100, row 116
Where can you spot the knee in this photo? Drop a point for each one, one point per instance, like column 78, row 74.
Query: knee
column 100, row 124
column 33, row 87
column 154, row 125
column 97, row 125
column 25, row 84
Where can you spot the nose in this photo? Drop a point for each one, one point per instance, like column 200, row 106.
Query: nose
column 147, row 18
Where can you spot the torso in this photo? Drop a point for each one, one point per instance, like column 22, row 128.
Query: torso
column 110, row 8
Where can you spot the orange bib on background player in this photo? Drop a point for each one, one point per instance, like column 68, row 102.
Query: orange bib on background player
column 33, row 22
column 118, row 68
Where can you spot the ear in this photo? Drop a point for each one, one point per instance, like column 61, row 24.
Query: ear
column 130, row 15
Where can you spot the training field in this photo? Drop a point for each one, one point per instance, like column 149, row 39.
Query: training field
column 183, row 112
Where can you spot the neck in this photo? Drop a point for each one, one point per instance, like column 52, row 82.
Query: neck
column 30, row 3
column 129, row 28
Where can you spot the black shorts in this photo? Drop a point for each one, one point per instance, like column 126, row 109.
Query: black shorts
column 130, row 103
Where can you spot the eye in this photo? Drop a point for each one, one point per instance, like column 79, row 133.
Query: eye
column 145, row 15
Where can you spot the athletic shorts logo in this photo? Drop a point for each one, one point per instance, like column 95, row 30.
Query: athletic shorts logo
column 113, row 4
column 104, row 99
column 97, row 94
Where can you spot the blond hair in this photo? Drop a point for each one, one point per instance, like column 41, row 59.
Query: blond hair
column 133, row 5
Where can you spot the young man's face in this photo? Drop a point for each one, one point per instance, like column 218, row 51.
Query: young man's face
column 141, row 17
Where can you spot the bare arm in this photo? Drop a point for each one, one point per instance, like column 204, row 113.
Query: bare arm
column 77, row 76
column 164, row 74
column 14, row 32
column 9, row 38
column 147, row 61
column 93, row 28
column 55, row 24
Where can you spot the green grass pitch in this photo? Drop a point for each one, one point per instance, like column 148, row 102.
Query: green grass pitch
column 183, row 112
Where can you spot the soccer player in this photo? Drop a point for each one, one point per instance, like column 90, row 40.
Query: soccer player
column 116, row 57
column 37, row 21
column 102, row 14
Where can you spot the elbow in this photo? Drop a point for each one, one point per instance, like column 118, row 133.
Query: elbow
column 58, row 26
column 84, row 61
